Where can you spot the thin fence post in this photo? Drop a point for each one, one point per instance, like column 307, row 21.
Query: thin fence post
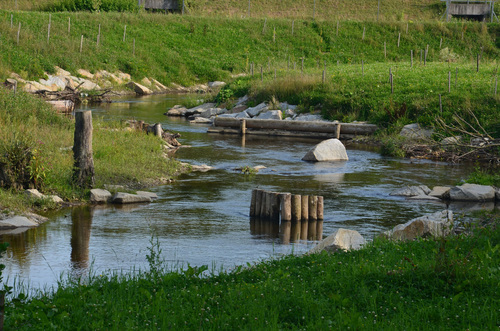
column 364, row 29
column 124, row 32
column 81, row 44
column 314, row 10
column 261, row 74
column 48, row 29
column 302, row 66
column 264, row 27
column 440, row 105
column 182, row 10
column 477, row 68
column 378, row 9
column 11, row 20
column 69, row 25
column 456, row 77
column 385, row 50
column 133, row 48
column 248, row 14
column 441, row 43
column 324, row 76
column 411, row 56
column 399, row 38
column 392, row 84
column 274, row 35
column 18, row 33
column 99, row 35
column 293, row 25
column 337, row 28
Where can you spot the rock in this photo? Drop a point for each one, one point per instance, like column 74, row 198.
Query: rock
column 34, row 193
column 497, row 194
column 243, row 114
column 229, row 115
column 32, row 87
column 10, row 83
column 146, row 81
column 341, row 239
column 270, row 115
column 98, row 195
column 216, row 84
column 65, row 106
column 254, row 111
column 85, row 73
column 88, row 85
column 437, row 224
column 17, row 77
column 201, row 168
column 158, row 86
column 238, row 109
column 55, row 198
column 210, row 112
column 472, row 192
column 54, row 80
column 441, row 192
column 285, row 106
column 17, row 222
column 309, row 118
column 199, row 109
column 139, row 89
column 201, row 120
column 123, row 76
column 177, row 110
column 451, row 140
column 415, row 131
column 241, row 101
column 411, row 191
column 327, row 150
column 290, row 113
column 125, row 198
column 62, row 72
column 179, row 88
column 151, row 195
column 424, row 197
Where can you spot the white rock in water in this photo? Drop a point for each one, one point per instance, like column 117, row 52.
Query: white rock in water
column 98, row 195
column 436, row 225
column 341, row 239
column 123, row 198
column 327, row 150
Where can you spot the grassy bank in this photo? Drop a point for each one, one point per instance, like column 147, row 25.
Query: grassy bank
column 36, row 149
column 445, row 284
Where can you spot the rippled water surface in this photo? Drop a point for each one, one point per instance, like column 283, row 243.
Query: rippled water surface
column 202, row 218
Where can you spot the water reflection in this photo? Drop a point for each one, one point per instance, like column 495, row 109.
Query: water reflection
column 81, row 223
column 287, row 231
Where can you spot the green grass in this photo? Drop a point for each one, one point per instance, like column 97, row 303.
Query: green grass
column 121, row 156
column 442, row 284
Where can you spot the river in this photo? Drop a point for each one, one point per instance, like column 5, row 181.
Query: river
column 202, row 218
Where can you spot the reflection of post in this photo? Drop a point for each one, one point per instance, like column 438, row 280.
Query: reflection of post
column 295, row 232
column 311, row 231
column 80, row 236
column 286, row 227
column 319, row 230
column 305, row 207
column 303, row 230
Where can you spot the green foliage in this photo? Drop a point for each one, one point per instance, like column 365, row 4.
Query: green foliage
column 18, row 165
column 224, row 95
column 488, row 176
column 93, row 5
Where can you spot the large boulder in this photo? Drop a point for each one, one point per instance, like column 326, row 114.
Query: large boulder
column 58, row 82
column 139, row 89
column 125, row 198
column 210, row 112
column 411, row 191
column 341, row 239
column 243, row 114
column 415, row 131
column 177, row 110
column 270, row 115
column 472, row 192
column 327, row 150
column 254, row 111
column 98, row 195
column 199, row 109
column 437, row 224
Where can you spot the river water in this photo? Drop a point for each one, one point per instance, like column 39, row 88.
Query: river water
column 202, row 218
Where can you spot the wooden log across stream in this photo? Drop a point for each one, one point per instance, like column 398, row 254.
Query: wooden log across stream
column 290, row 128
column 285, row 206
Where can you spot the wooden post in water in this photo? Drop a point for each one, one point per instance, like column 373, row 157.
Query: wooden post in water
column 286, row 206
column 263, row 205
column 243, row 127
column 285, row 232
column 258, row 203
column 319, row 213
column 274, row 212
column 305, row 207
column 313, row 208
column 296, row 207
column 83, row 173
column 337, row 130
column 319, row 230
column 303, row 230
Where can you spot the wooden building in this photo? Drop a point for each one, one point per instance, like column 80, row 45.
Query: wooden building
column 475, row 10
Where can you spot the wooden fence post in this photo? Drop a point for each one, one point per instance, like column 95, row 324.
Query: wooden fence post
column 286, row 207
column 69, row 25
column 124, row 32
column 449, row 81
column 411, row 57
column 81, row 43
column 83, row 173
column 305, row 207
column 319, row 214
column 18, row 33
column 48, row 29
column 296, row 207
column 313, row 208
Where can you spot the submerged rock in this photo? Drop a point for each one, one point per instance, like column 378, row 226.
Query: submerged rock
column 411, row 191
column 125, row 198
column 327, row 150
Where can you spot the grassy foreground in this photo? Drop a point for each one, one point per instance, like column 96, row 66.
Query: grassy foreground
column 448, row 284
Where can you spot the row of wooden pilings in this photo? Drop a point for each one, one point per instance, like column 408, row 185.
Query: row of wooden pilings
column 285, row 206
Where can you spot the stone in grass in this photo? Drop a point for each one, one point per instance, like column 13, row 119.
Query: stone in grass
column 125, row 198
column 327, row 150
column 341, row 239
column 98, row 195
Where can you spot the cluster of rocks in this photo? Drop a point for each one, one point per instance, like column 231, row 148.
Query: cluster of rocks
column 84, row 80
column 205, row 113
column 98, row 196
column 465, row 192
column 437, row 224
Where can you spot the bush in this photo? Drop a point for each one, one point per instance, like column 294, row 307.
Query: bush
column 93, row 5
